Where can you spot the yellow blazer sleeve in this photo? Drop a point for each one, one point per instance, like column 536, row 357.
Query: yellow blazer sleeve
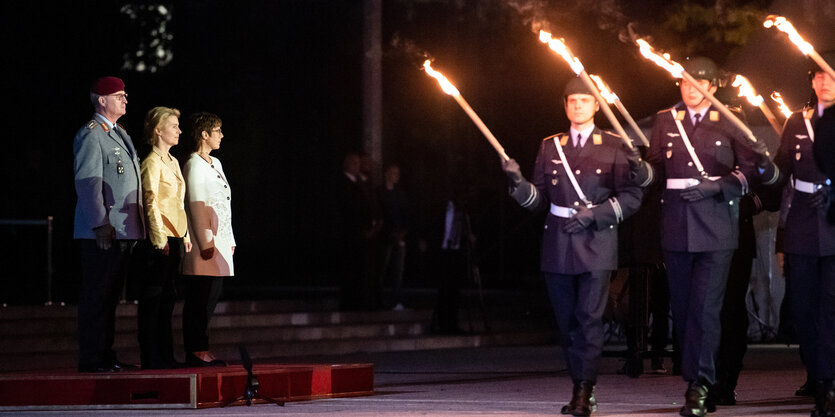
column 151, row 171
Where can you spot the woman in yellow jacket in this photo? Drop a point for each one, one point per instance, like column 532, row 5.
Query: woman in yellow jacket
column 164, row 192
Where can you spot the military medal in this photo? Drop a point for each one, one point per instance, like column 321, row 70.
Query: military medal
column 554, row 181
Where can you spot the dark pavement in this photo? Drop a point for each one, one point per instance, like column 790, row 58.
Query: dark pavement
column 521, row 381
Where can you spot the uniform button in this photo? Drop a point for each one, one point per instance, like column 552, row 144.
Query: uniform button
column 730, row 203
column 611, row 226
column 218, row 176
column 669, row 144
column 718, row 143
column 797, row 146
column 576, row 203
column 577, row 172
column 225, row 186
column 555, row 172
column 227, row 198
column 690, row 164
column 598, row 170
column 546, row 226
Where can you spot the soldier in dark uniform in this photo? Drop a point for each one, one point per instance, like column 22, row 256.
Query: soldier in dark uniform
column 700, row 218
column 810, row 243
column 584, row 179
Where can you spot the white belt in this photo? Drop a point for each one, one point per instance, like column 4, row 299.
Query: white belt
column 682, row 183
column 807, row 187
column 560, row 211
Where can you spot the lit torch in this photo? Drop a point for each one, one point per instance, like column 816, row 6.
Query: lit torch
column 806, row 48
column 558, row 46
column 613, row 98
column 747, row 90
column 678, row 71
column 451, row 90
column 778, row 98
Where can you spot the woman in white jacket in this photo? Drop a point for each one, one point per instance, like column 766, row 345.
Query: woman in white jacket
column 208, row 201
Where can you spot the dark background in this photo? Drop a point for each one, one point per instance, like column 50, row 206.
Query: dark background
column 286, row 78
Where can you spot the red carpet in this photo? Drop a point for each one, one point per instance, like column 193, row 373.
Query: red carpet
column 180, row 388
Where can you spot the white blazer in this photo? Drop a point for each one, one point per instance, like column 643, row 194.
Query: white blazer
column 209, row 205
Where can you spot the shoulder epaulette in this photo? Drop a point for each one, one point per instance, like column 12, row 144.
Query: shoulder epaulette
column 552, row 136
column 92, row 124
column 667, row 110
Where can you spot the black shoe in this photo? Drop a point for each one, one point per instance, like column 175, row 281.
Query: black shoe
column 694, row 401
column 657, row 365
column 95, row 368
column 582, row 401
column 633, row 368
column 162, row 365
column 806, row 390
column 121, row 366
column 193, row 361
column 825, row 399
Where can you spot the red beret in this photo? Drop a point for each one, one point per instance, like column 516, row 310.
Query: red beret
column 107, row 85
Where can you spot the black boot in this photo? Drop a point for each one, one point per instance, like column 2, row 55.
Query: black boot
column 582, row 401
column 694, row 401
column 807, row 389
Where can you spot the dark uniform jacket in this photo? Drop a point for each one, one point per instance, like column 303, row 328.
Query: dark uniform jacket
column 602, row 171
column 712, row 223
column 806, row 230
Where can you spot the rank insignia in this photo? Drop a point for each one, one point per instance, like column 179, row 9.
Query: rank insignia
column 563, row 140
column 680, row 115
column 809, row 113
column 596, row 139
column 714, row 116
column 92, row 124
column 104, row 126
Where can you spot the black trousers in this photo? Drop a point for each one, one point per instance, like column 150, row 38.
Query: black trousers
column 451, row 277
column 734, row 321
column 103, row 274
column 578, row 302
column 201, row 294
column 813, row 310
column 697, row 289
column 156, row 304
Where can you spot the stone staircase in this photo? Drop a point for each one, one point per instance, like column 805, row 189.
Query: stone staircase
column 304, row 326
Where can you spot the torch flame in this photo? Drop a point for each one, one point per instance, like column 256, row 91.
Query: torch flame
column 558, row 46
column 607, row 94
column 662, row 61
column 784, row 25
column 778, row 98
column 445, row 84
column 747, row 90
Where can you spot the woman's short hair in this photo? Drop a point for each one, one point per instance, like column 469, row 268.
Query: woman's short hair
column 153, row 118
column 199, row 123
